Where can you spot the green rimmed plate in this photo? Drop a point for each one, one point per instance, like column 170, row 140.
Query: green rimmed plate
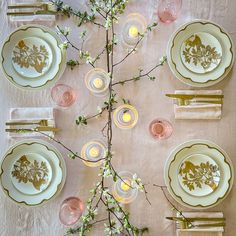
column 208, row 40
column 208, row 151
column 32, row 172
column 32, row 57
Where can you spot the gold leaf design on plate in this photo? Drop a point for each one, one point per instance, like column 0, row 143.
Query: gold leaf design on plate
column 26, row 57
column 197, row 53
column 35, row 173
column 195, row 176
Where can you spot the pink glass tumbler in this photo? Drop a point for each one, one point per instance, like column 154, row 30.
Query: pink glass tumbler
column 63, row 95
column 168, row 10
column 71, row 210
column 160, row 129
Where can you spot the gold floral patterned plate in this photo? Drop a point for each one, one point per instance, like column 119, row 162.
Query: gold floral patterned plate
column 32, row 57
column 199, row 175
column 200, row 53
column 184, row 176
column 32, row 172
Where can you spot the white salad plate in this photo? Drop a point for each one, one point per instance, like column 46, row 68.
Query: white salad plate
column 199, row 174
column 32, row 57
column 32, row 172
column 200, row 53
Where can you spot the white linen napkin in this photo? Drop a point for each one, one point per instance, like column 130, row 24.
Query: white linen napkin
column 211, row 231
column 31, row 114
column 48, row 20
column 198, row 110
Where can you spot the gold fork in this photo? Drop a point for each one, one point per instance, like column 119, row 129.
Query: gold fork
column 41, row 123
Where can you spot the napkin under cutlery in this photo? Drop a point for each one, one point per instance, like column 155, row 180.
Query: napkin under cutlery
column 198, row 110
column 206, row 231
column 48, row 20
column 31, row 114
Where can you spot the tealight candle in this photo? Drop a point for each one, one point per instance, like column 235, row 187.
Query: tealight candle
column 123, row 191
column 94, row 152
column 133, row 31
column 125, row 185
column 98, row 83
column 134, row 25
column 126, row 117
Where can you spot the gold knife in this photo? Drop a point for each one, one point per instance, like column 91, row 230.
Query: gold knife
column 196, row 219
column 40, row 128
column 191, row 96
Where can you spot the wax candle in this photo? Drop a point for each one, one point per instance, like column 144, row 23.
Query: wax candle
column 126, row 117
column 94, row 152
column 125, row 185
column 133, row 31
column 98, row 83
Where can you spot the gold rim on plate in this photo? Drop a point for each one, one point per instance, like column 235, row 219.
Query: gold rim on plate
column 189, row 145
column 50, row 149
column 189, row 80
column 45, row 31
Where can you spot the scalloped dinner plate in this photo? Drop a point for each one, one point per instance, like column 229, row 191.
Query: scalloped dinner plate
column 32, row 172
column 200, row 53
column 207, row 194
column 32, row 57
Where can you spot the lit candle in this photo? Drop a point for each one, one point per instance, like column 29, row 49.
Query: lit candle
column 98, row 83
column 94, row 152
column 133, row 32
column 125, row 185
column 126, row 117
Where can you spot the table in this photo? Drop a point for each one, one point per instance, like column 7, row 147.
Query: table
column 134, row 149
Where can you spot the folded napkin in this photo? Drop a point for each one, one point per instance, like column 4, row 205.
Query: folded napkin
column 198, row 110
column 48, row 20
column 211, row 231
column 31, row 114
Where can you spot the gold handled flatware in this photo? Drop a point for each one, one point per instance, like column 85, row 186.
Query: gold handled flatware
column 41, row 123
column 192, row 96
column 40, row 128
column 196, row 219
column 36, row 9
column 185, row 225
column 181, row 102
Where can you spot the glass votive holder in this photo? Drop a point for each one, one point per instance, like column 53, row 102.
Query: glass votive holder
column 97, row 81
column 63, row 95
column 125, row 116
column 93, row 151
column 134, row 25
column 123, row 191
column 71, row 210
column 160, row 129
column 168, row 10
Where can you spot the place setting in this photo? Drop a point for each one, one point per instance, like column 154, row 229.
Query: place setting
column 198, row 174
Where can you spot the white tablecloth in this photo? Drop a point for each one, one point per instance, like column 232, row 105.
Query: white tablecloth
column 134, row 149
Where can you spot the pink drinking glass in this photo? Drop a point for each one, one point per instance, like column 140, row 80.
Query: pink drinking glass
column 160, row 129
column 71, row 210
column 168, row 10
column 63, row 95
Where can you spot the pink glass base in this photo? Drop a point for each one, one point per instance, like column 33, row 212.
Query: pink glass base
column 167, row 16
column 71, row 210
column 160, row 129
column 63, row 95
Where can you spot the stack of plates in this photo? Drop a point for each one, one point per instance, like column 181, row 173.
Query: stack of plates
column 199, row 174
column 31, row 57
column 200, row 53
column 32, row 172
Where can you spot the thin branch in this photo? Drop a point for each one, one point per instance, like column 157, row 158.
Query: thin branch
column 141, row 76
